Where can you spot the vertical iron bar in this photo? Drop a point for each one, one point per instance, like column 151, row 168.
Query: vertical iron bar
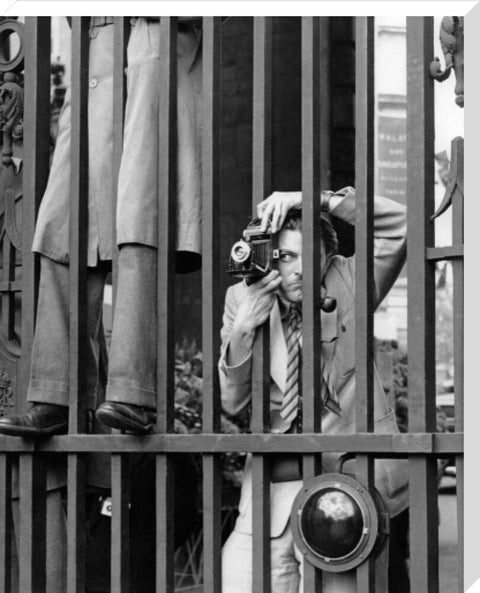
column 311, row 246
column 262, row 180
column 460, row 491
column 78, row 220
column 35, row 174
column 32, row 533
column 120, row 523
column 8, row 297
column 32, row 529
column 364, row 181
column 120, row 532
column 421, row 299
column 211, row 300
column 420, row 130
column 325, row 103
column 78, row 300
column 458, row 339
column 5, row 523
column 76, row 524
column 167, row 189
column 262, row 103
column 311, row 230
column 120, row 39
column 364, row 272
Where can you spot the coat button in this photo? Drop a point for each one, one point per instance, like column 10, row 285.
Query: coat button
column 93, row 83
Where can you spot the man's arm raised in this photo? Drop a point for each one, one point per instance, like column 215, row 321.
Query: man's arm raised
column 389, row 229
column 389, row 236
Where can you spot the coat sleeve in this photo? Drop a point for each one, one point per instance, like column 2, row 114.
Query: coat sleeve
column 235, row 381
column 390, row 239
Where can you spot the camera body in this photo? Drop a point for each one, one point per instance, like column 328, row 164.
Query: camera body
column 253, row 256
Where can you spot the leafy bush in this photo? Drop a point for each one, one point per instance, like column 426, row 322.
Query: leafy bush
column 188, row 410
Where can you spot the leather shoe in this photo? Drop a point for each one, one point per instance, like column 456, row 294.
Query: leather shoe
column 40, row 421
column 127, row 417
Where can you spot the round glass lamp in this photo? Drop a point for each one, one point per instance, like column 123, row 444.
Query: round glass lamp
column 337, row 524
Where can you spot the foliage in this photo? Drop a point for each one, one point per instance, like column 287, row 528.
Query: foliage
column 188, row 409
column 400, row 387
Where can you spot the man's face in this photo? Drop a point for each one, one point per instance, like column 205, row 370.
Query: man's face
column 290, row 264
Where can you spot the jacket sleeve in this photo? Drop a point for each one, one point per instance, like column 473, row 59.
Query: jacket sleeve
column 389, row 239
column 235, row 381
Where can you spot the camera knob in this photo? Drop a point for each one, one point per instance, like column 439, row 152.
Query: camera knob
column 329, row 304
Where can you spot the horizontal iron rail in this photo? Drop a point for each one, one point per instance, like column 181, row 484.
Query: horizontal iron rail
column 11, row 286
column 444, row 253
column 387, row 444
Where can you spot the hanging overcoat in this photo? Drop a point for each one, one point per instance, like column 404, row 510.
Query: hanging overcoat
column 138, row 177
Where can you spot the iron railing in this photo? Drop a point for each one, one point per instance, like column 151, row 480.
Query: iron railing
column 422, row 445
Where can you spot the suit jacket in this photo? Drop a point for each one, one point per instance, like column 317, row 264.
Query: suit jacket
column 338, row 349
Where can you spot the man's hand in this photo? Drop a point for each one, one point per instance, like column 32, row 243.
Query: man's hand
column 257, row 303
column 275, row 208
column 253, row 311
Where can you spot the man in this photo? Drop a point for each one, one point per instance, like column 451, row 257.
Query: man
column 277, row 298
column 131, row 389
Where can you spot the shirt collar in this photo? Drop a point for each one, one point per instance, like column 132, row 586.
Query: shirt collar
column 284, row 305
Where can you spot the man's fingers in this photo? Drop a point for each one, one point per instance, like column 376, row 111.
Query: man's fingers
column 274, row 282
column 264, row 211
column 274, row 274
column 267, row 202
column 278, row 216
column 267, row 284
column 273, row 211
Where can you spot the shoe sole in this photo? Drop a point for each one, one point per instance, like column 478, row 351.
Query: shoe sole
column 115, row 420
column 29, row 431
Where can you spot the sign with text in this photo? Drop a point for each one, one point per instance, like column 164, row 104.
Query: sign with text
column 392, row 158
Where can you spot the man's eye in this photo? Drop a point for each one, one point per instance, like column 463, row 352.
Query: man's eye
column 286, row 257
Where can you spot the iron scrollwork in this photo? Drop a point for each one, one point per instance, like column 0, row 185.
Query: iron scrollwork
column 454, row 186
column 6, row 393
column 11, row 88
column 11, row 135
column 451, row 40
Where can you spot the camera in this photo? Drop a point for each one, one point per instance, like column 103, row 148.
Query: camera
column 252, row 257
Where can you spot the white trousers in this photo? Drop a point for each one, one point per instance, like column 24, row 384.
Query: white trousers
column 287, row 567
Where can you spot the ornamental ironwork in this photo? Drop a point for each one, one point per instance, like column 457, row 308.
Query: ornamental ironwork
column 451, row 40
column 6, row 393
column 11, row 87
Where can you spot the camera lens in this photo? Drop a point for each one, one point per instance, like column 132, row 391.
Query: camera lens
column 241, row 251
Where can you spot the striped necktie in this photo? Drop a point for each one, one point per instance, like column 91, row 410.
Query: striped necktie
column 291, row 397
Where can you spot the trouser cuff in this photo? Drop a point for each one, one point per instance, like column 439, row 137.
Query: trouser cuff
column 131, row 395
